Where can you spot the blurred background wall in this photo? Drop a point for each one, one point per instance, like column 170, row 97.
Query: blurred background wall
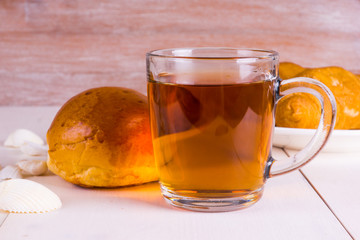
column 51, row 50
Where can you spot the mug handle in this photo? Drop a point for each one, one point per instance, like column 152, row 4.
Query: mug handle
column 326, row 124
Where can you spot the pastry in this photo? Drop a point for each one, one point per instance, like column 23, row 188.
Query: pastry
column 101, row 138
column 301, row 110
column 289, row 70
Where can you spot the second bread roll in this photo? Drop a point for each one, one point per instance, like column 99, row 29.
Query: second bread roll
column 300, row 110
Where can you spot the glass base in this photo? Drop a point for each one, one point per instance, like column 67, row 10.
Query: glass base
column 229, row 202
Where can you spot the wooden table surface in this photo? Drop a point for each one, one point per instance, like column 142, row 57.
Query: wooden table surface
column 52, row 50
column 322, row 201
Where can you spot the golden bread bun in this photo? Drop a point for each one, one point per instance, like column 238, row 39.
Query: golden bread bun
column 101, row 138
column 301, row 110
column 289, row 70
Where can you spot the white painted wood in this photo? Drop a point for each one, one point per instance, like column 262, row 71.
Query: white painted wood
column 289, row 209
column 336, row 177
column 3, row 216
column 36, row 119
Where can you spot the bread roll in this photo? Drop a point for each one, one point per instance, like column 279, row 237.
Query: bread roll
column 289, row 70
column 101, row 138
column 302, row 110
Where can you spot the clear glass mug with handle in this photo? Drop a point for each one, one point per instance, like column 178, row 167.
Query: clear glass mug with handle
column 212, row 119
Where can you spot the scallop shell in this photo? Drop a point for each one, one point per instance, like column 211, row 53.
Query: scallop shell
column 34, row 149
column 32, row 167
column 10, row 172
column 21, row 136
column 25, row 196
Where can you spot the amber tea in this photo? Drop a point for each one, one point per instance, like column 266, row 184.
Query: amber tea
column 212, row 118
column 211, row 139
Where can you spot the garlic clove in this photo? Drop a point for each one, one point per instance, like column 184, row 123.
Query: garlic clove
column 25, row 196
column 22, row 136
column 10, row 172
column 32, row 167
column 34, row 149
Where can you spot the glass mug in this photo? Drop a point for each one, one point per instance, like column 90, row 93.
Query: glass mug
column 212, row 119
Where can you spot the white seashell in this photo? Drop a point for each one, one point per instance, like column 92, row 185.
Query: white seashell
column 21, row 136
column 32, row 167
column 10, row 172
column 34, row 149
column 25, row 196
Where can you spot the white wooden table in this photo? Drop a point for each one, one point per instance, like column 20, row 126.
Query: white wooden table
column 322, row 201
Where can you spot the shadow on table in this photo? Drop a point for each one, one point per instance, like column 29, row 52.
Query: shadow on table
column 122, row 197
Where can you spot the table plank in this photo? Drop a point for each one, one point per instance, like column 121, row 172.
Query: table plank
column 36, row 119
column 290, row 209
column 3, row 216
column 336, row 177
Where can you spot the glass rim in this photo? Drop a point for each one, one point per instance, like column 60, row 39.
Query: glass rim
column 267, row 54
